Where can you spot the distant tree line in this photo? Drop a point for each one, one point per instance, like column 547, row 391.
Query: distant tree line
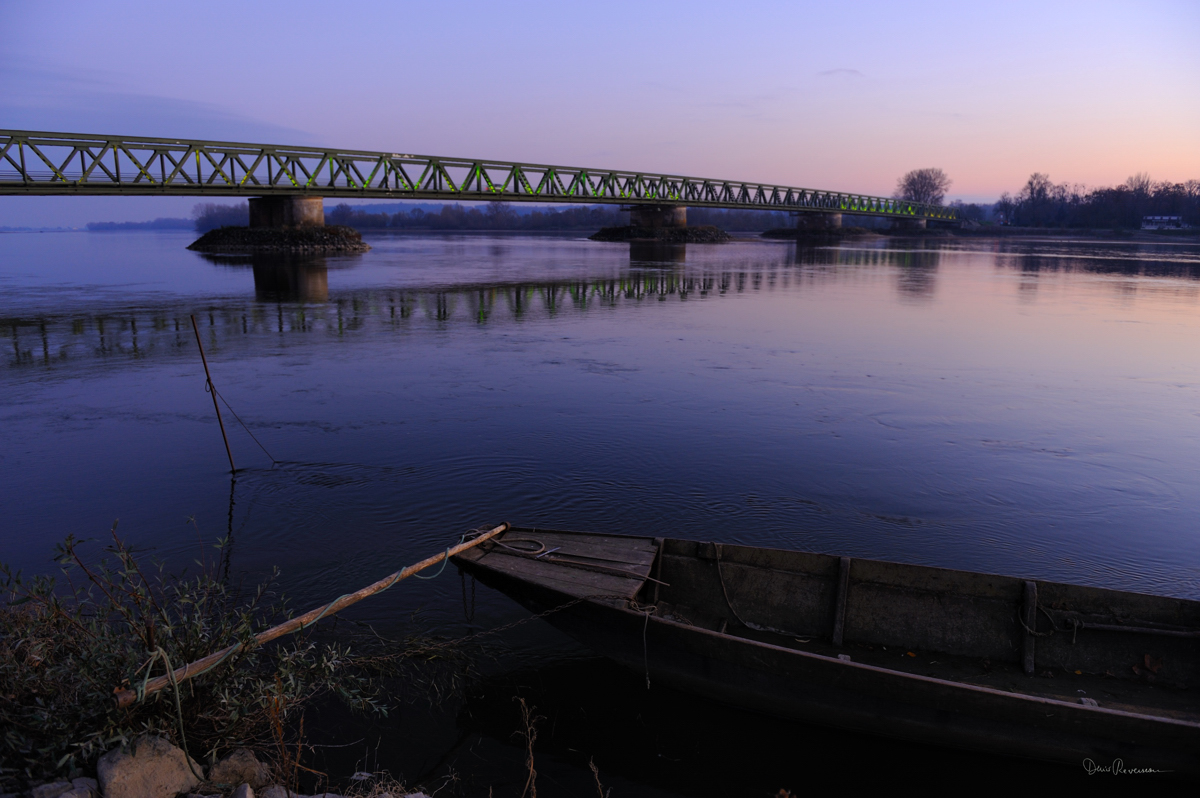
column 1040, row 203
column 162, row 223
column 1043, row 203
column 494, row 216
column 209, row 216
column 738, row 221
column 973, row 212
column 502, row 216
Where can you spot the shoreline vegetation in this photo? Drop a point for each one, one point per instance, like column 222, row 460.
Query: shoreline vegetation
column 69, row 645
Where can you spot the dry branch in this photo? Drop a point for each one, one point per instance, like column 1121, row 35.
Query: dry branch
column 126, row 697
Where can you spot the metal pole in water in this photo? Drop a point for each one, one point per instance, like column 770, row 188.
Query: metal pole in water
column 213, row 391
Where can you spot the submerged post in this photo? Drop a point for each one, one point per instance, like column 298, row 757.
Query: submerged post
column 213, row 391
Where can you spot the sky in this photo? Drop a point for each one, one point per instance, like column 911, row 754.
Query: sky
column 823, row 95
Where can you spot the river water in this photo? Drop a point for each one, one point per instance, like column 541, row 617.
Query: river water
column 1019, row 407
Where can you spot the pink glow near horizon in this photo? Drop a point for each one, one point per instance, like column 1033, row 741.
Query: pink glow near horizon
column 800, row 94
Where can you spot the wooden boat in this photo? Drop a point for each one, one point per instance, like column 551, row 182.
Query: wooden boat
column 994, row 663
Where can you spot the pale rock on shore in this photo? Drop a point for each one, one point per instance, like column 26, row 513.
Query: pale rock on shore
column 154, row 768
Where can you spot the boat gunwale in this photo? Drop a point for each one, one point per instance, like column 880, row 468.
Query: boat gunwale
column 659, row 542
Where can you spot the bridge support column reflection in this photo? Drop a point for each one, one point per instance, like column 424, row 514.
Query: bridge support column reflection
column 292, row 280
column 282, row 277
column 656, row 254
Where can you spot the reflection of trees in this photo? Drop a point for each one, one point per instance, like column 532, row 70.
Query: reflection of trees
column 1135, row 262
column 916, row 271
column 1181, row 266
column 915, row 267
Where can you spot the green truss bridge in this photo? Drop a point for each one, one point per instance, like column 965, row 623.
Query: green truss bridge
column 70, row 163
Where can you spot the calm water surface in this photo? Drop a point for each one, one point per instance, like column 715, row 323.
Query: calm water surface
column 1024, row 408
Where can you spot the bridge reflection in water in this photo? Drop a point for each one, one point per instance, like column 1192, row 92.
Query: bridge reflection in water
column 292, row 297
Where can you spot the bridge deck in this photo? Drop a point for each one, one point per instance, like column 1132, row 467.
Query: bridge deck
column 67, row 163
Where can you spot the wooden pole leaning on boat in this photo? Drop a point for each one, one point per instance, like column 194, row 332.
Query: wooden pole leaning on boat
column 126, row 697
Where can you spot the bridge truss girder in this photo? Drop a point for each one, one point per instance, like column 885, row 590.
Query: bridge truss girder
column 64, row 164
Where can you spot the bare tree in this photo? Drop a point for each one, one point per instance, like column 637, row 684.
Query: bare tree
column 1140, row 184
column 500, row 215
column 923, row 185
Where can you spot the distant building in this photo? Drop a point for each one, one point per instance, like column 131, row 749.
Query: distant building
column 1162, row 222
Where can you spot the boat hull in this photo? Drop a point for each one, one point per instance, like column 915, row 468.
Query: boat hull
column 828, row 690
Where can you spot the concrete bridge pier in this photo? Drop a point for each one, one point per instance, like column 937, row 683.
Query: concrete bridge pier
column 657, row 216
column 817, row 220
column 909, row 224
column 287, row 211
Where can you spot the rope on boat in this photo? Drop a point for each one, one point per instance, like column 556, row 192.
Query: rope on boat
column 439, row 572
column 538, row 550
column 1078, row 624
column 1053, row 626
column 541, row 547
column 538, row 546
column 756, row 627
column 567, row 560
